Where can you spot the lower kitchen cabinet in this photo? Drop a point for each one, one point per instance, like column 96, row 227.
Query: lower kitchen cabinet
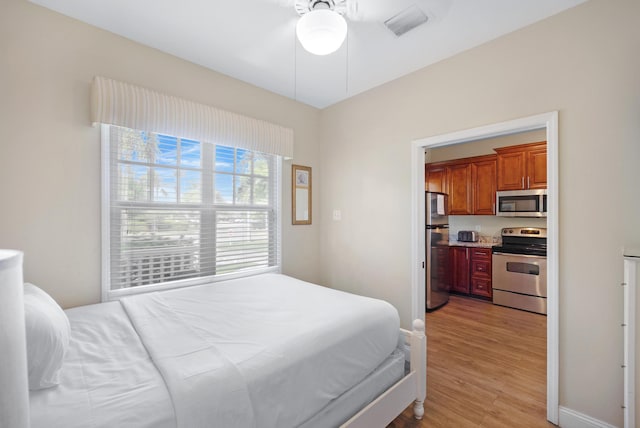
column 471, row 271
column 459, row 262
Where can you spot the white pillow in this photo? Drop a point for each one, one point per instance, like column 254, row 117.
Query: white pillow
column 48, row 332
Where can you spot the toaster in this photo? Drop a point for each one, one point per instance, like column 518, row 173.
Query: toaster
column 468, row 236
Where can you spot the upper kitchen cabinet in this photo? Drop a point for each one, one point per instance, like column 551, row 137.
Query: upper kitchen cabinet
column 470, row 184
column 537, row 167
column 435, row 178
column 460, row 189
column 522, row 167
column 483, row 178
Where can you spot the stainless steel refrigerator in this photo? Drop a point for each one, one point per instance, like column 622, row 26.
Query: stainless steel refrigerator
column 437, row 250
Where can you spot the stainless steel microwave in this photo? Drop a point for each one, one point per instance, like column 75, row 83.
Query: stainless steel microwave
column 522, row 203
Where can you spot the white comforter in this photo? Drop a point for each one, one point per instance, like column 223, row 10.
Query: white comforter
column 266, row 351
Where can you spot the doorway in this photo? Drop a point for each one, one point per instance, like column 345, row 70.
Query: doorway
column 549, row 122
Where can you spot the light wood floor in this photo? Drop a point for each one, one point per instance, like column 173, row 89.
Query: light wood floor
column 486, row 368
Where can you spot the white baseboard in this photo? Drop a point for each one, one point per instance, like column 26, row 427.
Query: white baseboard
column 572, row 419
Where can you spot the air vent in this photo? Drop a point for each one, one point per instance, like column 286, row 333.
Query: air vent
column 406, row 20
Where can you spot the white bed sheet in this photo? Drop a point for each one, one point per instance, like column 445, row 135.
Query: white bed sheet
column 267, row 350
column 107, row 378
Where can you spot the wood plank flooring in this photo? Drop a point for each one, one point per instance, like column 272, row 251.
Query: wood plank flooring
column 486, row 368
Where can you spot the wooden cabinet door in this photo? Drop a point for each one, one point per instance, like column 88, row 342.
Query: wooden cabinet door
column 435, row 178
column 511, row 170
column 483, row 178
column 537, row 168
column 459, row 269
column 459, row 189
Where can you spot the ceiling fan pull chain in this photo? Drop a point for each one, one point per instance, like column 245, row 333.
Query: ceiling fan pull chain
column 346, row 78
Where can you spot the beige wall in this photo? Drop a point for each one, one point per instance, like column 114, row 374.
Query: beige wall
column 50, row 155
column 585, row 63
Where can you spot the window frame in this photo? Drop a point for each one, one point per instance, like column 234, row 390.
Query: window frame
column 107, row 294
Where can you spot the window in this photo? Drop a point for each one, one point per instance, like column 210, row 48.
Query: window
column 178, row 211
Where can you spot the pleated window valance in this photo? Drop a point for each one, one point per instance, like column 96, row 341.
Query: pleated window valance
column 131, row 106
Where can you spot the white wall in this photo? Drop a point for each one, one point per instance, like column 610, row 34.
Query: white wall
column 50, row 154
column 585, row 63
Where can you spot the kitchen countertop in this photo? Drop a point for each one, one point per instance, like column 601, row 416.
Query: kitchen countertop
column 472, row 244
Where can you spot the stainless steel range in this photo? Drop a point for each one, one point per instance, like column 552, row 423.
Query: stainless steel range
column 519, row 267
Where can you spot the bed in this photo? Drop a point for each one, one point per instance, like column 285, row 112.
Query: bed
column 262, row 351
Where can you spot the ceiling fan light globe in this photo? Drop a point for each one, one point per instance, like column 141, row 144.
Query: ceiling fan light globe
column 321, row 31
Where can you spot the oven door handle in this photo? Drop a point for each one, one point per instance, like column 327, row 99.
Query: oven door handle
column 519, row 255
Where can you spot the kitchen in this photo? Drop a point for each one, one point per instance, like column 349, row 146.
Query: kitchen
column 497, row 244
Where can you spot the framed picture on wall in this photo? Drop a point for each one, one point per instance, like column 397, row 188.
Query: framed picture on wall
column 300, row 194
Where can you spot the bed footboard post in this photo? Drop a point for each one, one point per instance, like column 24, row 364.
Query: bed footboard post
column 419, row 365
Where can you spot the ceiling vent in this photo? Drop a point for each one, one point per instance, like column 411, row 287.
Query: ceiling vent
column 406, row 20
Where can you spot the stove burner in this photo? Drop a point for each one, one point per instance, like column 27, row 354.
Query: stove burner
column 523, row 240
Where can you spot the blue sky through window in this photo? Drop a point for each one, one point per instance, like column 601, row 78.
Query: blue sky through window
column 176, row 165
column 190, row 153
column 167, row 150
column 224, row 159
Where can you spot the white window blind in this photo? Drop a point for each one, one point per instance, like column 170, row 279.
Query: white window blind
column 180, row 210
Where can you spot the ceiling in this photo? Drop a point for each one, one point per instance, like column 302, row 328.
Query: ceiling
column 254, row 40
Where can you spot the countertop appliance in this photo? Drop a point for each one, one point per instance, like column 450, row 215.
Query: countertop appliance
column 437, row 249
column 522, row 203
column 468, row 236
column 519, row 269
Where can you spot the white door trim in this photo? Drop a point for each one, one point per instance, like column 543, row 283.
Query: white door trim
column 541, row 121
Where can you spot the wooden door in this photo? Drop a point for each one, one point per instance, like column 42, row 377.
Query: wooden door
column 459, row 189
column 537, row 167
column 483, row 179
column 459, row 269
column 435, row 178
column 511, row 170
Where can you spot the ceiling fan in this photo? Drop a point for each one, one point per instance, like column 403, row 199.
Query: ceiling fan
column 322, row 28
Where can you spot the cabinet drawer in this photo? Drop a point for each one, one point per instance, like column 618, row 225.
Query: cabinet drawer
column 481, row 287
column 481, row 253
column 480, row 267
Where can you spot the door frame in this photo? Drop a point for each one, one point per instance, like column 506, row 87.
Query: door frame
column 548, row 121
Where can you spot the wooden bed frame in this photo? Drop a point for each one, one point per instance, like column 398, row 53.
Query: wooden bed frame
column 411, row 388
